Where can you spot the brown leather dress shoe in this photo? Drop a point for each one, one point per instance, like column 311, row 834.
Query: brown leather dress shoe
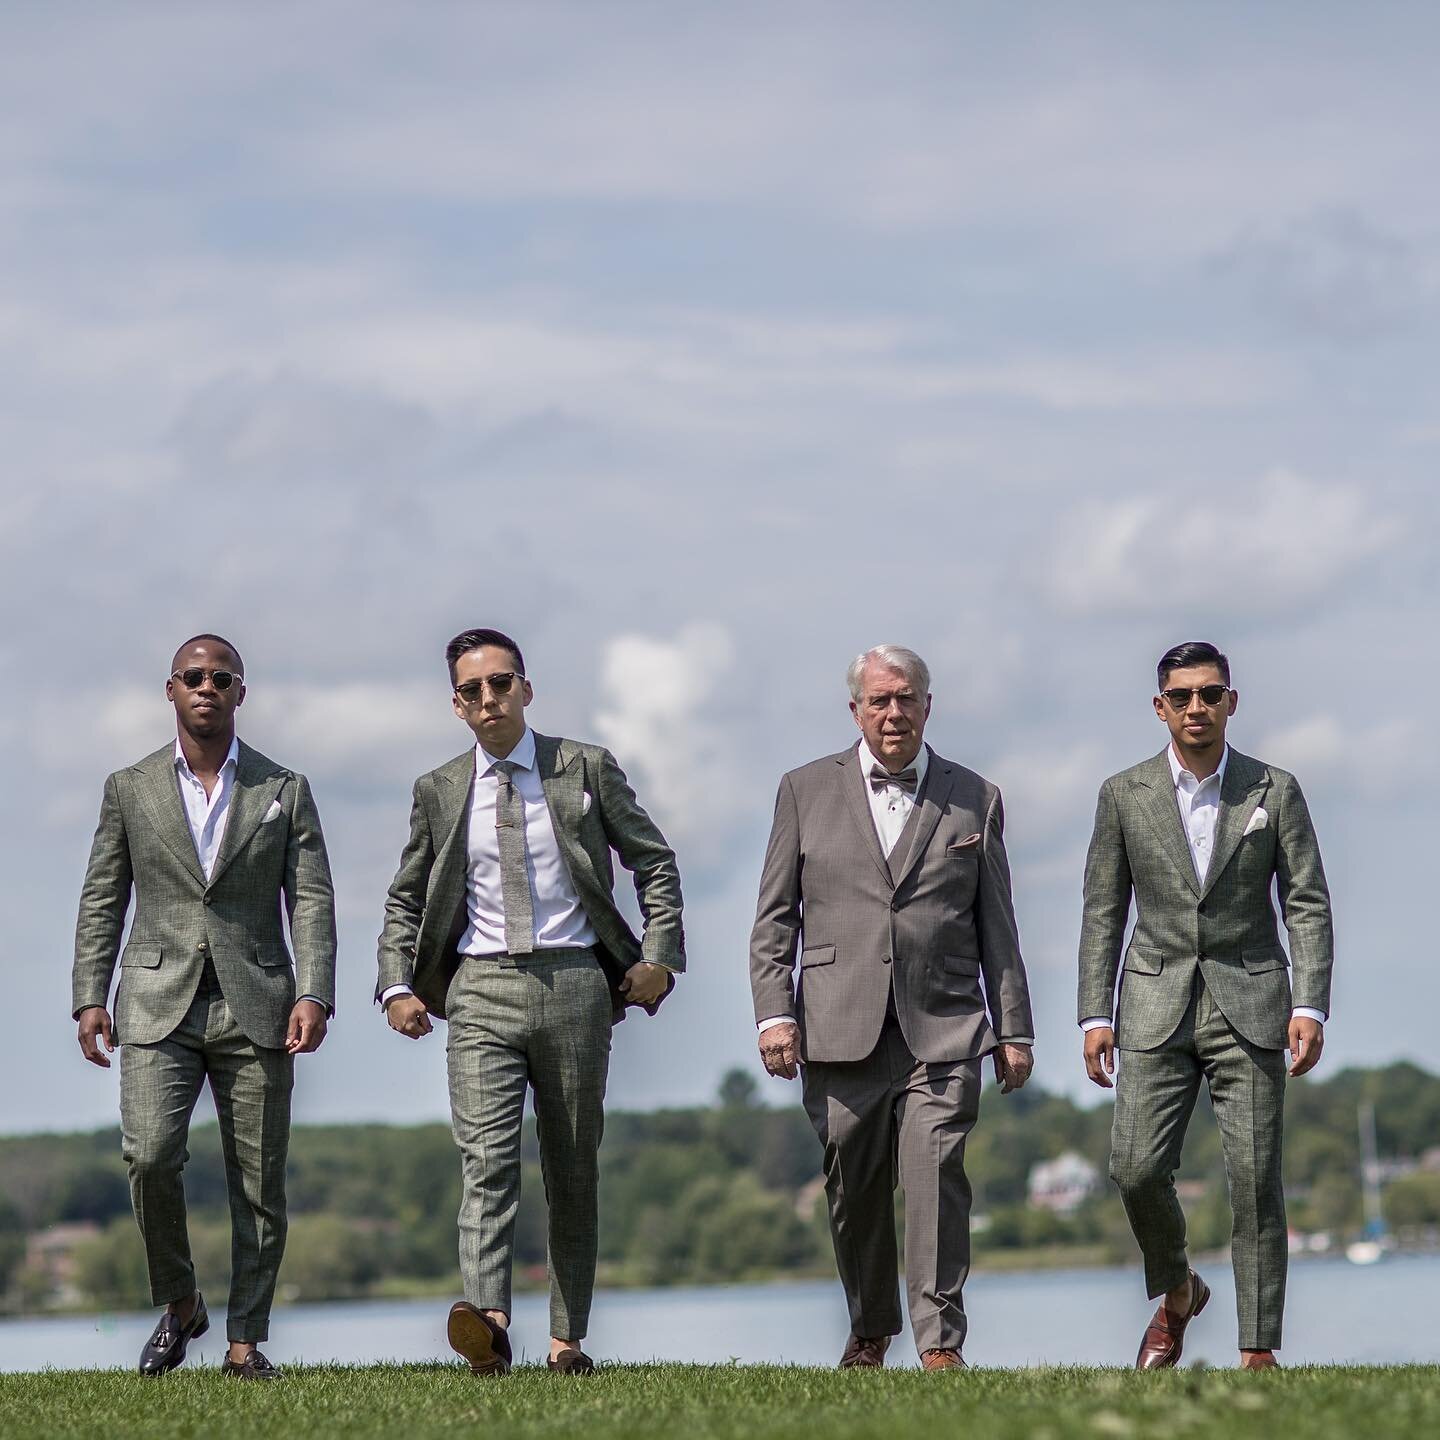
column 478, row 1340
column 253, row 1367
column 863, row 1354
column 1160, row 1346
column 1258, row 1360
column 942, row 1360
column 571, row 1362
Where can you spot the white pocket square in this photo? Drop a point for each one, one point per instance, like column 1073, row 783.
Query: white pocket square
column 586, row 803
column 273, row 813
column 1258, row 821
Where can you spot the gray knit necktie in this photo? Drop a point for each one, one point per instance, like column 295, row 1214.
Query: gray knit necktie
column 514, row 883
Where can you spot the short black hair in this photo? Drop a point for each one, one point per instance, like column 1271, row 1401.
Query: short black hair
column 219, row 640
column 1192, row 652
column 468, row 640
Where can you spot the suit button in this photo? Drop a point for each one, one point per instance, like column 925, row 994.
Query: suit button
column 884, row 959
column 202, row 948
column 207, row 900
column 1200, row 957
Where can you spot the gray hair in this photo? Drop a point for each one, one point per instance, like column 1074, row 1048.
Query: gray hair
column 895, row 657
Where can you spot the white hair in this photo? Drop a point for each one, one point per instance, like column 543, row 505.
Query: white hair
column 893, row 657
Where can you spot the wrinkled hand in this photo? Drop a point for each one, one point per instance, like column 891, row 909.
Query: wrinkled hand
column 644, row 983
column 95, row 1026
column 1307, row 1040
column 307, row 1027
column 1013, row 1064
column 780, row 1050
column 1100, row 1055
column 408, row 1015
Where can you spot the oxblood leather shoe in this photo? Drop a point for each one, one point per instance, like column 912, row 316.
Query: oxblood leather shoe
column 253, row 1367
column 478, row 1340
column 571, row 1362
column 165, row 1348
column 942, row 1360
column 864, row 1354
column 1160, row 1346
column 1258, row 1360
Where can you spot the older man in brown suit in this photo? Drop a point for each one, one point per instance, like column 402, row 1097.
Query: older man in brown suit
column 886, row 872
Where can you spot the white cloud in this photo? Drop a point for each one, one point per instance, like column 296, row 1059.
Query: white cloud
column 1385, row 756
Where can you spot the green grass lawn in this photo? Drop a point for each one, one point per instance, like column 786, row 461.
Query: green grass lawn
column 747, row 1403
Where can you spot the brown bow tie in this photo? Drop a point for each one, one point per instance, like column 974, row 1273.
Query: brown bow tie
column 907, row 780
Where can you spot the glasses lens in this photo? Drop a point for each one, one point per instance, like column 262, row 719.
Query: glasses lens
column 222, row 679
column 472, row 690
column 500, row 684
column 469, row 692
column 1212, row 694
column 1179, row 699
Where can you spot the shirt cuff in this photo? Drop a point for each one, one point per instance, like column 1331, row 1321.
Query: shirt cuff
column 1318, row 1016
column 318, row 1001
column 763, row 1025
column 387, row 995
column 1097, row 1022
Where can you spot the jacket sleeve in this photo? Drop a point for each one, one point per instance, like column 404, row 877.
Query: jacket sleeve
column 310, row 900
column 1304, row 900
column 643, row 851
column 405, row 902
column 1007, row 990
column 1108, row 887
column 104, row 901
column 775, row 936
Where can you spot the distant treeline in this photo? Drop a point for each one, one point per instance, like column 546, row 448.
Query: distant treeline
column 724, row 1193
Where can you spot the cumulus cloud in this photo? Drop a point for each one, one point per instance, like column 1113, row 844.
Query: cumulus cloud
column 1367, row 758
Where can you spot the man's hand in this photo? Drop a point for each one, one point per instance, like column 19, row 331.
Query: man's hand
column 307, row 1027
column 94, row 1028
column 1013, row 1064
column 1307, row 1040
column 408, row 1015
column 780, row 1050
column 644, row 983
column 1100, row 1055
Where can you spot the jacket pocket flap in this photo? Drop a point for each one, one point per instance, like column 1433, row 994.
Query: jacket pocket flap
column 1144, row 962
column 269, row 955
column 817, row 955
column 966, row 848
column 146, row 955
column 1257, row 961
column 961, row 964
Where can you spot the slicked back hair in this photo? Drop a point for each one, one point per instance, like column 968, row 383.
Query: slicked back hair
column 468, row 640
column 219, row 640
column 1183, row 657
column 896, row 657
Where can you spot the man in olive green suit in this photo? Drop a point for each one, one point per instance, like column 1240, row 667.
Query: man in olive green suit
column 1197, row 836
column 501, row 920
column 215, row 841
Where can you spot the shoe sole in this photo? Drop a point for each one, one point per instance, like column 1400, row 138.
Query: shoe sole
column 470, row 1338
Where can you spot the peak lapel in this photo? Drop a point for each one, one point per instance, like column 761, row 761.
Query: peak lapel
column 938, row 780
column 1154, row 790
column 1245, row 782
column 255, row 788
column 159, row 792
column 454, row 781
column 852, row 783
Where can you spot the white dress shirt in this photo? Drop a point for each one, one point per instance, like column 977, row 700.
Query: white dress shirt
column 890, row 808
column 560, row 920
column 1199, row 802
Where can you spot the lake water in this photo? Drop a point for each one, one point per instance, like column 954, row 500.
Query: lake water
column 1382, row 1314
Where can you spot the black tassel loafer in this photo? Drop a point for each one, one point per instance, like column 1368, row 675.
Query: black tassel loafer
column 165, row 1348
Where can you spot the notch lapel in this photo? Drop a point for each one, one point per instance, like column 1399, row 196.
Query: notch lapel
column 159, row 792
column 254, row 790
column 931, row 806
column 1246, row 780
column 852, row 784
column 1154, row 791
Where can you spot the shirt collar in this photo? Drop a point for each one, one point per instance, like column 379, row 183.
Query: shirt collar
column 522, row 756
column 919, row 764
column 232, row 756
column 1177, row 769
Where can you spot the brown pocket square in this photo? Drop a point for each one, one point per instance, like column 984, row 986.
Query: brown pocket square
column 963, row 847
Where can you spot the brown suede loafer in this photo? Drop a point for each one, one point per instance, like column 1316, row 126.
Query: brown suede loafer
column 1160, row 1346
column 478, row 1340
column 864, row 1354
column 253, row 1367
column 571, row 1362
column 942, row 1360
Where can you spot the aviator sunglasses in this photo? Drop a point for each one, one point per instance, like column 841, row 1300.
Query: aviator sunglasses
column 194, row 678
column 1212, row 695
column 499, row 684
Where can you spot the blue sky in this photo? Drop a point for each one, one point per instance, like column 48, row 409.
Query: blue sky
column 701, row 347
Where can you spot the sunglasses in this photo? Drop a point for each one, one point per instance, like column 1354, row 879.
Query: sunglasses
column 499, row 684
column 195, row 678
column 1211, row 695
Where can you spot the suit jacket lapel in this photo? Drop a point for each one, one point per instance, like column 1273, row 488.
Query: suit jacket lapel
column 564, row 786
column 454, row 783
column 255, row 788
column 1245, row 782
column 1154, row 791
column 160, row 795
column 929, row 808
column 853, row 783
